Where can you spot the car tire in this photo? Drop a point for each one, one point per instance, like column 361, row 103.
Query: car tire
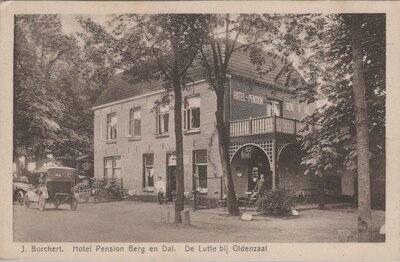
column 26, row 201
column 20, row 197
column 74, row 204
column 42, row 203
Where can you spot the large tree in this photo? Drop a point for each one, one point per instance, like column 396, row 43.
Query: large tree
column 351, row 123
column 50, row 109
column 156, row 48
column 261, row 38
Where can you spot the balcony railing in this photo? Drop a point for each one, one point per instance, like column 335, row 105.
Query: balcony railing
column 263, row 125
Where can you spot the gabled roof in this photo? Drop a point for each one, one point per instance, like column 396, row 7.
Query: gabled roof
column 120, row 88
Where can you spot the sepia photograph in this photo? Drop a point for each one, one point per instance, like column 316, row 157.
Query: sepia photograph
column 136, row 128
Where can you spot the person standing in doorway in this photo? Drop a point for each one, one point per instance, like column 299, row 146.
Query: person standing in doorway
column 260, row 187
column 160, row 188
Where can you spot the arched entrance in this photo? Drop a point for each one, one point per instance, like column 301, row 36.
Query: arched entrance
column 247, row 164
column 290, row 172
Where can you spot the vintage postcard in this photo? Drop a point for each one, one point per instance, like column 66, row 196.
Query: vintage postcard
column 200, row 130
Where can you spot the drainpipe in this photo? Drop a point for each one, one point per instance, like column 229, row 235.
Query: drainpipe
column 274, row 169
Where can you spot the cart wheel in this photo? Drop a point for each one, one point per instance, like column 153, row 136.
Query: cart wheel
column 42, row 202
column 20, row 198
column 26, row 201
column 74, row 204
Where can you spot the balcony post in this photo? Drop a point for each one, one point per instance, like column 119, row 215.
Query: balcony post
column 295, row 126
column 274, row 120
column 250, row 126
column 274, row 160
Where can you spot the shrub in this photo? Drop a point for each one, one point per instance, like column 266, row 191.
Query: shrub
column 107, row 187
column 276, row 202
column 81, row 186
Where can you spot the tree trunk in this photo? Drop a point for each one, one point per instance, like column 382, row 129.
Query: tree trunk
column 321, row 192
column 223, row 138
column 179, row 204
column 362, row 135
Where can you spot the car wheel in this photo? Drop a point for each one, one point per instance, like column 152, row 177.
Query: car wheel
column 42, row 202
column 74, row 204
column 26, row 201
column 20, row 197
column 56, row 204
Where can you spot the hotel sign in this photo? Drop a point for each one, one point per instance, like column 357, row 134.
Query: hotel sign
column 248, row 98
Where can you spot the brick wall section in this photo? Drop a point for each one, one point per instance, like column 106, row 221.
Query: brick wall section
column 131, row 151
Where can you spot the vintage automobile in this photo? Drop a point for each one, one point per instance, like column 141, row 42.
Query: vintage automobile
column 19, row 190
column 52, row 184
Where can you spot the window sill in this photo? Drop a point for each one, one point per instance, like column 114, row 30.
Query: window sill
column 135, row 138
column 161, row 135
column 191, row 132
column 111, row 141
column 202, row 191
column 148, row 189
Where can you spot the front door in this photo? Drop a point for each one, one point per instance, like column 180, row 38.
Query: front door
column 257, row 165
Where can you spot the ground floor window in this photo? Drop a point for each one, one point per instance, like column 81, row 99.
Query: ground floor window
column 148, row 171
column 200, row 169
column 112, row 167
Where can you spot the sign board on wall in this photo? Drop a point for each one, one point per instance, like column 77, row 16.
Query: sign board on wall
column 247, row 102
column 249, row 98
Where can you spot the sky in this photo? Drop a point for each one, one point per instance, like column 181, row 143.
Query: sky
column 70, row 25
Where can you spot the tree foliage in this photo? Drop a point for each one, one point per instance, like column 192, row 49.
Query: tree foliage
column 155, row 47
column 333, row 142
column 55, row 84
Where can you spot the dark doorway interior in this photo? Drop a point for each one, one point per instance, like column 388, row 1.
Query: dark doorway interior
column 171, row 176
column 247, row 165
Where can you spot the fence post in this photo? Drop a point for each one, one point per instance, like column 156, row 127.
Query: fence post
column 194, row 192
column 221, row 188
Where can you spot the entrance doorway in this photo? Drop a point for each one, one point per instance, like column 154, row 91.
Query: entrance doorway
column 247, row 165
column 171, row 176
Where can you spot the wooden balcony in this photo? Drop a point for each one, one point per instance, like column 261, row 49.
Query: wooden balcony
column 265, row 125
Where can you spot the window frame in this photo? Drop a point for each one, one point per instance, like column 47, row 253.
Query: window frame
column 112, row 136
column 160, row 119
column 188, row 114
column 132, row 129
column 196, row 175
column 113, row 166
column 146, row 187
column 273, row 103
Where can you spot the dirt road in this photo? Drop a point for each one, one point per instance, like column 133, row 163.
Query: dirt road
column 140, row 222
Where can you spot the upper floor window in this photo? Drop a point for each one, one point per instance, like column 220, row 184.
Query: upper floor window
column 162, row 119
column 274, row 108
column 191, row 113
column 135, row 122
column 112, row 126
